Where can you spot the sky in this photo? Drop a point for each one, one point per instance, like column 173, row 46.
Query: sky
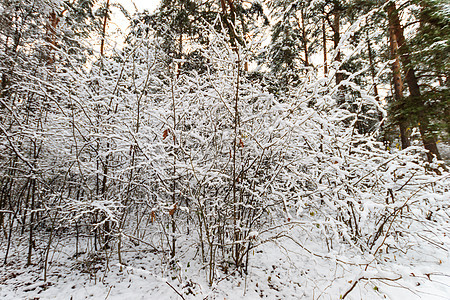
column 118, row 20
column 140, row 4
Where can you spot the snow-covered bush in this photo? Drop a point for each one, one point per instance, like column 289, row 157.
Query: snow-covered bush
column 137, row 150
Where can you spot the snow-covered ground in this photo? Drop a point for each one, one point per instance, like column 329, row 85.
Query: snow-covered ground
column 444, row 150
column 283, row 269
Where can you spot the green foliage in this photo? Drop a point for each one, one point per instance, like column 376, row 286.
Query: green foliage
column 430, row 50
column 285, row 51
column 79, row 15
column 295, row 37
column 431, row 44
column 433, row 105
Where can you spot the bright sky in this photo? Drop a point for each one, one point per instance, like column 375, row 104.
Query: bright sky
column 130, row 5
column 150, row 5
column 118, row 20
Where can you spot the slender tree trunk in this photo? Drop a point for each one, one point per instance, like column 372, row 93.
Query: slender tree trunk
column 324, row 41
column 236, row 219
column 104, row 189
column 105, row 20
column 108, row 225
column 174, row 173
column 305, row 40
column 229, row 20
column 372, row 69
column 30, row 237
column 180, row 53
column 336, row 39
column 428, row 138
column 53, row 21
column 398, row 86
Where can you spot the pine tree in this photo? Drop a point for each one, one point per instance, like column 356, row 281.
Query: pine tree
column 415, row 98
column 294, row 39
column 429, row 55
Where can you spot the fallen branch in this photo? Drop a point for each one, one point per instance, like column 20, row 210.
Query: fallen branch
column 175, row 290
column 365, row 278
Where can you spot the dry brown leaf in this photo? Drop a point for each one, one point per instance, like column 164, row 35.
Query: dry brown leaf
column 172, row 211
column 241, row 143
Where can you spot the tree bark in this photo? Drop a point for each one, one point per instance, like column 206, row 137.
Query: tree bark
column 372, row 69
column 336, row 39
column 398, row 85
column 305, row 40
column 324, row 41
column 428, row 139
column 105, row 20
column 53, row 21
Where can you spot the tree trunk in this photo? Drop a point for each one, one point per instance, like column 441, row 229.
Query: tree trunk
column 105, row 20
column 324, row 41
column 53, row 21
column 372, row 69
column 398, row 85
column 428, row 139
column 305, row 40
column 336, row 38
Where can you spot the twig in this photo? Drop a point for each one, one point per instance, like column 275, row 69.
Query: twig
column 365, row 278
column 175, row 290
column 109, row 291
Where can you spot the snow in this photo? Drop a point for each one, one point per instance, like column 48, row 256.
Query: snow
column 287, row 268
column 212, row 163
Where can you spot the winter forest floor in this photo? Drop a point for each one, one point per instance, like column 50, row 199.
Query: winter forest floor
column 444, row 149
column 299, row 264
column 283, row 269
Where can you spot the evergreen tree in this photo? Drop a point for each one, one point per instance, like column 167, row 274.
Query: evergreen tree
column 294, row 39
column 429, row 55
column 415, row 98
column 181, row 23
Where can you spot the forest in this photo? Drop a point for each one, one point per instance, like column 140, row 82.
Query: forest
column 277, row 149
